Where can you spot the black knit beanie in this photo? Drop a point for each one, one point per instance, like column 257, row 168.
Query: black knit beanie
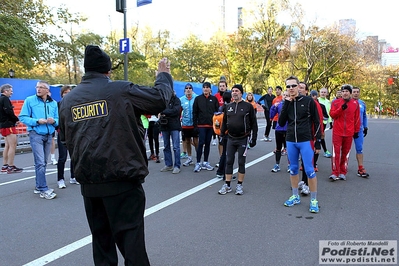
column 96, row 60
column 239, row 86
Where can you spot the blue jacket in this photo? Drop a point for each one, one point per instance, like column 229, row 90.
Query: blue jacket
column 277, row 110
column 35, row 108
column 363, row 115
column 187, row 112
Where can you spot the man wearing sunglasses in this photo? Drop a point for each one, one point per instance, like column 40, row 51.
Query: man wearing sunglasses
column 303, row 127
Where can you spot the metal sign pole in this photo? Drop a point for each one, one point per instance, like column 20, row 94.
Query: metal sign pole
column 125, row 36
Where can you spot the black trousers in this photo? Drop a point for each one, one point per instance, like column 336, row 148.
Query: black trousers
column 62, row 158
column 119, row 220
column 153, row 137
column 268, row 123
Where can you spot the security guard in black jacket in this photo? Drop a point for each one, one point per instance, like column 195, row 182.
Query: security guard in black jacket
column 100, row 124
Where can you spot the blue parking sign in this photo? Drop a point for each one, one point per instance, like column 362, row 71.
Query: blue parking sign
column 124, row 45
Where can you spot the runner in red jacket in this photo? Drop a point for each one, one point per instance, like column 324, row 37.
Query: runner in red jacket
column 346, row 115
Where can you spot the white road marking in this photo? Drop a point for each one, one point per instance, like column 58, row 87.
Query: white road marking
column 87, row 240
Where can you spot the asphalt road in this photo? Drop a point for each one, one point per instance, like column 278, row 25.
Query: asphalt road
column 188, row 223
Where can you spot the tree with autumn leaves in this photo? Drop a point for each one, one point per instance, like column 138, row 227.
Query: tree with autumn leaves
column 260, row 54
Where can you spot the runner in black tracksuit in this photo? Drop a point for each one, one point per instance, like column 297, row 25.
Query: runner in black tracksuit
column 240, row 121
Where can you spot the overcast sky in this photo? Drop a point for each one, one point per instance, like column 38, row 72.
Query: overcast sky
column 203, row 17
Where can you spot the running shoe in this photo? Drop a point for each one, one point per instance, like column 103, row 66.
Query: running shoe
column 61, row 184
column 300, row 185
column 183, row 155
column 219, row 176
column 54, row 161
column 214, row 142
column 73, row 181
column 239, row 190
column 188, row 161
column 276, row 168
column 151, row 157
column 362, row 172
column 167, row 168
column 305, row 190
column 314, row 206
column 157, row 160
column 284, row 152
column 207, row 166
column 12, row 169
column 293, row 200
column 176, row 170
column 327, row 154
column 316, row 169
column 48, row 194
column 197, row 167
column 4, row 168
column 342, row 177
column 225, row 189
column 288, row 169
column 333, row 178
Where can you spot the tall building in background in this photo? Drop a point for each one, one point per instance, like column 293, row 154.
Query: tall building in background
column 347, row 27
column 223, row 16
column 371, row 48
column 239, row 17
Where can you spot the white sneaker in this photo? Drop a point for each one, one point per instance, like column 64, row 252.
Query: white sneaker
column 54, row 161
column 176, row 170
column 305, row 190
column 61, row 184
column 73, row 181
column 49, row 194
column 300, row 185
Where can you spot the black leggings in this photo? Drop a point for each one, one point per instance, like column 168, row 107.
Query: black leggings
column 153, row 137
column 233, row 146
column 280, row 140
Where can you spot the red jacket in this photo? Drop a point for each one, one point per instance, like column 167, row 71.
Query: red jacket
column 346, row 122
column 320, row 112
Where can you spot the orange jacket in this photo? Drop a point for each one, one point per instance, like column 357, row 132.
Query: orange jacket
column 278, row 99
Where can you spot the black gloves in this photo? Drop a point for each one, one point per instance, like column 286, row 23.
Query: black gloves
column 356, row 135
column 365, row 131
column 344, row 106
column 252, row 143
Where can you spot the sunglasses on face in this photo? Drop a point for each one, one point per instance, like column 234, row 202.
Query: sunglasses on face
column 291, row 86
column 188, row 88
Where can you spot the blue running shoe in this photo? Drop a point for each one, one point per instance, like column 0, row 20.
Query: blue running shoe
column 342, row 177
column 327, row 154
column 293, row 200
column 197, row 167
column 207, row 166
column 314, row 206
column 276, row 168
